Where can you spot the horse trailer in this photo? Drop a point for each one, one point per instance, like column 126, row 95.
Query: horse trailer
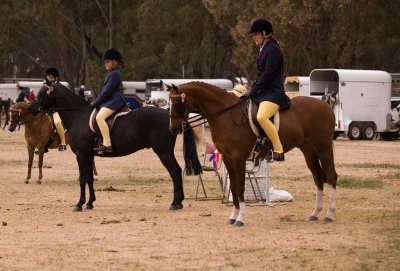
column 297, row 85
column 360, row 100
column 156, row 89
column 10, row 90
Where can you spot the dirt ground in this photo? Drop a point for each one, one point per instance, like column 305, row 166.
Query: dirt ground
column 130, row 227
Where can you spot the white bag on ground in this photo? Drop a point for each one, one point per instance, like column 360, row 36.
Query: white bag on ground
column 279, row 195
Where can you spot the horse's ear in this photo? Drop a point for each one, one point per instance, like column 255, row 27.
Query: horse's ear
column 169, row 87
column 174, row 87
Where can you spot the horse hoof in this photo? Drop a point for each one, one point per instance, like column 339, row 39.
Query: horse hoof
column 238, row 224
column 328, row 219
column 175, row 207
column 26, row 181
column 77, row 209
column 38, row 182
column 231, row 221
column 313, row 218
column 89, row 207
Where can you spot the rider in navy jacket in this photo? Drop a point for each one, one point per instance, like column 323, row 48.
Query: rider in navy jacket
column 110, row 98
column 110, row 95
column 268, row 89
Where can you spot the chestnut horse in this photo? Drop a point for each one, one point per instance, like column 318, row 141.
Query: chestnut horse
column 308, row 124
column 39, row 133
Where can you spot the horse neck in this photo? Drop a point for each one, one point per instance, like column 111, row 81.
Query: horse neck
column 70, row 115
column 207, row 99
column 71, row 110
column 25, row 114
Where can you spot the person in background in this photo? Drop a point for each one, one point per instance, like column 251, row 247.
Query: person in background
column 81, row 91
column 268, row 89
column 31, row 96
column 52, row 77
column 110, row 98
column 23, row 93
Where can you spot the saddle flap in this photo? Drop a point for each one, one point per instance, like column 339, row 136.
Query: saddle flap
column 110, row 120
column 252, row 107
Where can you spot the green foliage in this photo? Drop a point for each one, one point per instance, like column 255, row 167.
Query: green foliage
column 195, row 39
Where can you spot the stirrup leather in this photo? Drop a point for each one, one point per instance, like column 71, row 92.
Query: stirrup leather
column 258, row 146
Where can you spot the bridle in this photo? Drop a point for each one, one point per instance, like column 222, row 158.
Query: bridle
column 187, row 121
column 17, row 121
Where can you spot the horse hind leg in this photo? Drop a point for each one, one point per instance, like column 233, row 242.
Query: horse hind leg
column 328, row 166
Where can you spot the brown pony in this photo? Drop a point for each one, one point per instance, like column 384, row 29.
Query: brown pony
column 39, row 133
column 308, row 124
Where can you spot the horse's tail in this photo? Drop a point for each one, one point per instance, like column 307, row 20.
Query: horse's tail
column 192, row 163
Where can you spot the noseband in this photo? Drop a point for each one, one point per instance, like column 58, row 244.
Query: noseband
column 19, row 115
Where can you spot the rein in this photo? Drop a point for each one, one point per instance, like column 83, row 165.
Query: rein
column 19, row 116
column 190, row 120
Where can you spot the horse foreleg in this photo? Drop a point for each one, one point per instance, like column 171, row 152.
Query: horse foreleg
column 89, row 180
column 332, row 203
column 30, row 163
column 92, row 196
column 236, row 176
column 234, row 215
column 85, row 170
column 240, row 178
column 318, row 205
column 82, row 199
column 40, row 165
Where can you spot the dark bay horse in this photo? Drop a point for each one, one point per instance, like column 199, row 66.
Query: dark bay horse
column 145, row 127
column 308, row 124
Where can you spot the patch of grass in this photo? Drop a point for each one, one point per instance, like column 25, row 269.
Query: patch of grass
column 249, row 250
column 292, row 178
column 234, row 265
column 394, row 176
column 357, row 183
column 11, row 162
column 373, row 165
column 364, row 266
column 286, row 218
column 146, row 181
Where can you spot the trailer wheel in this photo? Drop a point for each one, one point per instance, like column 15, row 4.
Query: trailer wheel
column 354, row 132
column 336, row 135
column 368, row 131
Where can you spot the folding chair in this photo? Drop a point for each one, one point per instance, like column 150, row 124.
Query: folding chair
column 253, row 176
column 212, row 161
column 252, row 168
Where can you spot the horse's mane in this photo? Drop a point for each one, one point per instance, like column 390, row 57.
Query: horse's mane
column 67, row 95
column 22, row 105
column 205, row 85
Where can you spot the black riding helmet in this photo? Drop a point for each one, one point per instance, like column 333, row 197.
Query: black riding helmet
column 52, row 71
column 261, row 25
column 112, row 54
